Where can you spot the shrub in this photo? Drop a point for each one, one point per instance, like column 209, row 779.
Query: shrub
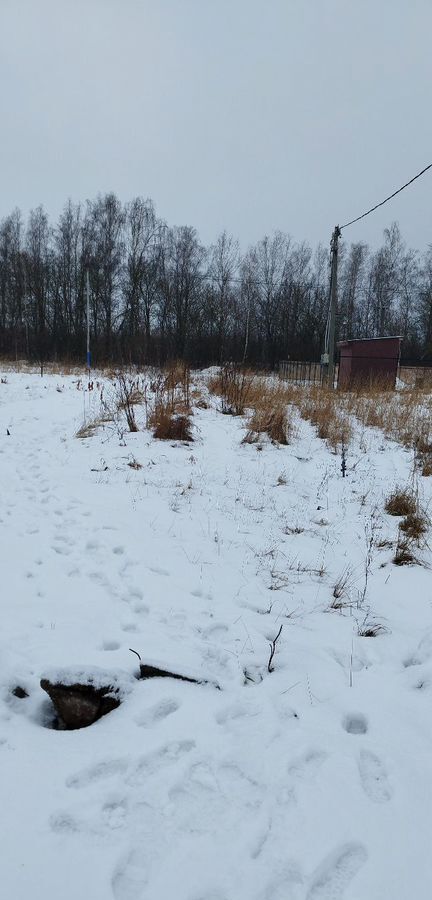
column 273, row 422
column 401, row 503
column 414, row 525
column 127, row 396
column 404, row 555
column 233, row 384
column 88, row 429
column 176, row 384
column 168, row 425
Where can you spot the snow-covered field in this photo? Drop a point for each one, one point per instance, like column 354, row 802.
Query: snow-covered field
column 312, row 782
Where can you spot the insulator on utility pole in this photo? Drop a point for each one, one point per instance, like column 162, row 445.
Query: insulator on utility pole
column 328, row 357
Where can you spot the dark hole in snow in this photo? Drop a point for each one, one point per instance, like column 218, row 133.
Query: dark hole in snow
column 355, row 724
column 20, row 692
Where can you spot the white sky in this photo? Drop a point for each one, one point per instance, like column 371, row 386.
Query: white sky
column 248, row 115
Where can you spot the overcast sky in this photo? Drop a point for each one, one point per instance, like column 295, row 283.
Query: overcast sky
column 249, row 115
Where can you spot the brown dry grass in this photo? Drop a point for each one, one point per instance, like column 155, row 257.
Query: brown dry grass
column 88, row 429
column 404, row 555
column 404, row 416
column 322, row 408
column 233, row 384
column 168, row 424
column 271, row 421
column 401, row 502
column 414, row 526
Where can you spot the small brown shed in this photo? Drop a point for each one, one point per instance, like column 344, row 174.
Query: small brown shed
column 363, row 361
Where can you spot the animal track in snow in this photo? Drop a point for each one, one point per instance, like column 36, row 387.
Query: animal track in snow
column 110, row 645
column 355, row 723
column 96, row 773
column 373, row 776
column 308, row 765
column 158, row 759
column 64, row 823
column 287, row 885
column 236, row 711
column 158, row 712
column 218, row 630
column 158, row 571
column 423, row 653
column 333, row 876
column 131, row 876
column 114, row 812
column 139, row 608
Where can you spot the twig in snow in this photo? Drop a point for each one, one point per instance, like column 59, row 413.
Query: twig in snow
column 272, row 650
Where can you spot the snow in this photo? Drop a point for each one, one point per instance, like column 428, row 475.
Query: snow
column 309, row 783
column 120, row 682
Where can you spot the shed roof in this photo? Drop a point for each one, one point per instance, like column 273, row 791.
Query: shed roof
column 395, row 337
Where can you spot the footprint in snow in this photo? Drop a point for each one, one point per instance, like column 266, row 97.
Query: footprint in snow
column 355, row 723
column 110, row 645
column 157, row 713
column 218, row 630
column 153, row 762
column 64, row 823
column 236, row 711
column 99, row 772
column 131, row 876
column 333, row 876
column 307, row 766
column 286, row 886
column 374, row 778
column 114, row 812
column 158, row 571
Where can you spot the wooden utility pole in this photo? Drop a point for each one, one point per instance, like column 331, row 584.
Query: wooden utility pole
column 328, row 358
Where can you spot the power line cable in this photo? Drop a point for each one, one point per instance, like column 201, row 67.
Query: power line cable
column 387, row 198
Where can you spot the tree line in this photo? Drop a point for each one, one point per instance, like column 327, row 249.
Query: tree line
column 156, row 293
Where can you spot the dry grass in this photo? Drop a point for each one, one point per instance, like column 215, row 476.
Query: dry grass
column 404, row 555
column 414, row 526
column 34, row 368
column 371, row 629
column 88, row 429
column 128, row 395
column 401, row 502
column 271, row 421
column 404, row 416
column 233, row 384
column 342, row 589
column 168, row 415
column 323, row 409
column 168, row 424
column 134, row 464
column 426, row 465
column 176, row 384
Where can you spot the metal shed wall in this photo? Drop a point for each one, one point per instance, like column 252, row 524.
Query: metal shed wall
column 374, row 359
